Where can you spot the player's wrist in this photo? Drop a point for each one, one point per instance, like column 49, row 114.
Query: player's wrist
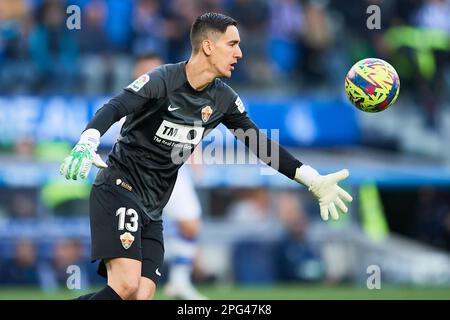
column 306, row 175
column 91, row 137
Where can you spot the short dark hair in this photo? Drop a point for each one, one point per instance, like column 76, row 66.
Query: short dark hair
column 210, row 21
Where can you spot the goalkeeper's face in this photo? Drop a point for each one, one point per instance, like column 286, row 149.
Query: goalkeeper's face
column 225, row 52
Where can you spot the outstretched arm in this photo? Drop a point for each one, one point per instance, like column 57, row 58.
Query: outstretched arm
column 270, row 152
column 78, row 164
column 325, row 188
column 118, row 107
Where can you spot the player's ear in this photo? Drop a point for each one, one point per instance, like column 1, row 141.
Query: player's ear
column 207, row 47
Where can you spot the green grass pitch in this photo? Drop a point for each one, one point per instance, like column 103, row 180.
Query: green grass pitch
column 279, row 292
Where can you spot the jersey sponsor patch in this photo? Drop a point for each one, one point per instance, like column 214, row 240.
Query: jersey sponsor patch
column 180, row 133
column 139, row 82
column 124, row 185
column 240, row 105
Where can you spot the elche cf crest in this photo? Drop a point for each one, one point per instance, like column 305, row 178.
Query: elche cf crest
column 127, row 240
column 206, row 113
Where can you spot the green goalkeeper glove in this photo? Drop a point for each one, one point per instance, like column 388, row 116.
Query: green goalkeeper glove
column 325, row 189
column 78, row 164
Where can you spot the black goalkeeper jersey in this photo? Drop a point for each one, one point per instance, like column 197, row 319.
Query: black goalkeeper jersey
column 166, row 119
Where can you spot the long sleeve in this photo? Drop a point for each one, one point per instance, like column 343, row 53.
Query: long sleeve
column 137, row 94
column 118, row 107
column 265, row 149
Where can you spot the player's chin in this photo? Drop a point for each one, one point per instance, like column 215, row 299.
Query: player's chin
column 226, row 74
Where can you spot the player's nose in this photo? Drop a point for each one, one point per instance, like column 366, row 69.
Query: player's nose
column 238, row 53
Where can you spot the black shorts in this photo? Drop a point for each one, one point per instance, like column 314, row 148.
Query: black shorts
column 120, row 229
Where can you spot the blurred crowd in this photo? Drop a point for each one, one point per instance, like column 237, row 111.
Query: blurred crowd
column 275, row 244
column 287, row 44
column 272, row 242
column 50, row 266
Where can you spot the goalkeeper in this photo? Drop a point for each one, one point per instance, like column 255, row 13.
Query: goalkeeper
column 168, row 111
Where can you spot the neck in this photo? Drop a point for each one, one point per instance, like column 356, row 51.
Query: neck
column 199, row 73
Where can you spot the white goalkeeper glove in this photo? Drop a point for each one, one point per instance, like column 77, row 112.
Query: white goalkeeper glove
column 325, row 189
column 78, row 164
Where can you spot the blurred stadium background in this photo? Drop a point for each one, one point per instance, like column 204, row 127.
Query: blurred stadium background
column 262, row 236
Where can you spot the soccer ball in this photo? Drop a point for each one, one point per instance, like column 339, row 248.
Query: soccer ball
column 372, row 85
